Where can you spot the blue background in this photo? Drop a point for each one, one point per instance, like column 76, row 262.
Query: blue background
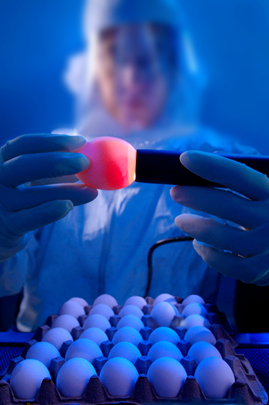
column 230, row 38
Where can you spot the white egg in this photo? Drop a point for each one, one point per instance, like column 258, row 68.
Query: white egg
column 162, row 297
column 194, row 308
column 80, row 301
column 139, row 302
column 119, row 376
column 131, row 320
column 43, row 352
column 57, row 336
column 193, row 298
column 127, row 334
column 215, row 377
column 131, row 310
column 164, row 349
column 74, row 376
column 97, row 321
column 72, row 308
column 164, row 313
column 167, row 376
column 199, row 334
column 106, row 299
column 126, row 350
column 195, row 320
column 27, row 377
column 164, row 334
column 172, row 301
column 85, row 349
column 97, row 335
column 102, row 309
column 67, row 322
column 201, row 350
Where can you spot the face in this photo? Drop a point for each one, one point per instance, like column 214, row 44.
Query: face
column 135, row 69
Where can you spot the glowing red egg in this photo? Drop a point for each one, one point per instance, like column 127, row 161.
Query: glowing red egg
column 113, row 163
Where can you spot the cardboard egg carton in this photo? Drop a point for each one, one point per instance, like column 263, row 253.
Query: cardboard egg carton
column 246, row 389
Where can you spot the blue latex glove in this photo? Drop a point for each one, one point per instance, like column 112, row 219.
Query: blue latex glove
column 22, row 209
column 241, row 253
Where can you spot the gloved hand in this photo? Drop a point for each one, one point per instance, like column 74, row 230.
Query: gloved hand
column 241, row 253
column 23, row 209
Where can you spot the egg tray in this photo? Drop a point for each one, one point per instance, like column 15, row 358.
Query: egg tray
column 247, row 389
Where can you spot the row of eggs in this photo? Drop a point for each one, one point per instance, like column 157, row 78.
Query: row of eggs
column 119, row 374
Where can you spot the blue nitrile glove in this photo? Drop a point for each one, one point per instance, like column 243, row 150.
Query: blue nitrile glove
column 23, row 209
column 241, row 253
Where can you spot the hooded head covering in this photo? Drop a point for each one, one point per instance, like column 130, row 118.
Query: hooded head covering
column 92, row 117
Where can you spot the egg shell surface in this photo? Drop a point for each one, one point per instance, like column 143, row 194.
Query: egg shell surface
column 127, row 334
column 193, row 298
column 164, row 313
column 57, row 336
column 164, row 349
column 131, row 320
column 72, row 308
column 126, row 350
column 44, row 352
column 195, row 320
column 215, row 377
column 119, row 376
column 97, row 335
column 102, row 309
column 194, row 308
column 97, row 321
column 199, row 334
column 80, row 301
column 164, row 334
column 137, row 301
column 131, row 310
column 201, row 350
column 27, row 377
column 67, row 322
column 162, row 297
column 167, row 376
column 106, row 299
column 73, row 377
column 113, row 163
column 85, row 349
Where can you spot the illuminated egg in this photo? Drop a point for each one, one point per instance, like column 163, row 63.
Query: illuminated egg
column 193, row 298
column 164, row 334
column 73, row 377
column 137, row 301
column 127, row 334
column 106, row 299
column 67, row 322
column 84, row 348
column 44, row 352
column 57, row 336
column 172, row 301
column 167, row 376
column 164, row 313
column 80, row 301
column 72, row 308
column 199, row 334
column 27, row 377
column 164, row 349
column 162, row 297
column 113, row 163
column 195, row 320
column 97, row 335
column 97, row 321
column 215, row 377
column 126, row 350
column 201, row 350
column 131, row 310
column 119, row 376
column 102, row 309
column 131, row 320
column 194, row 308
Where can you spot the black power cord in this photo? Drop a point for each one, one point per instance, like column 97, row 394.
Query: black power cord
column 153, row 248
